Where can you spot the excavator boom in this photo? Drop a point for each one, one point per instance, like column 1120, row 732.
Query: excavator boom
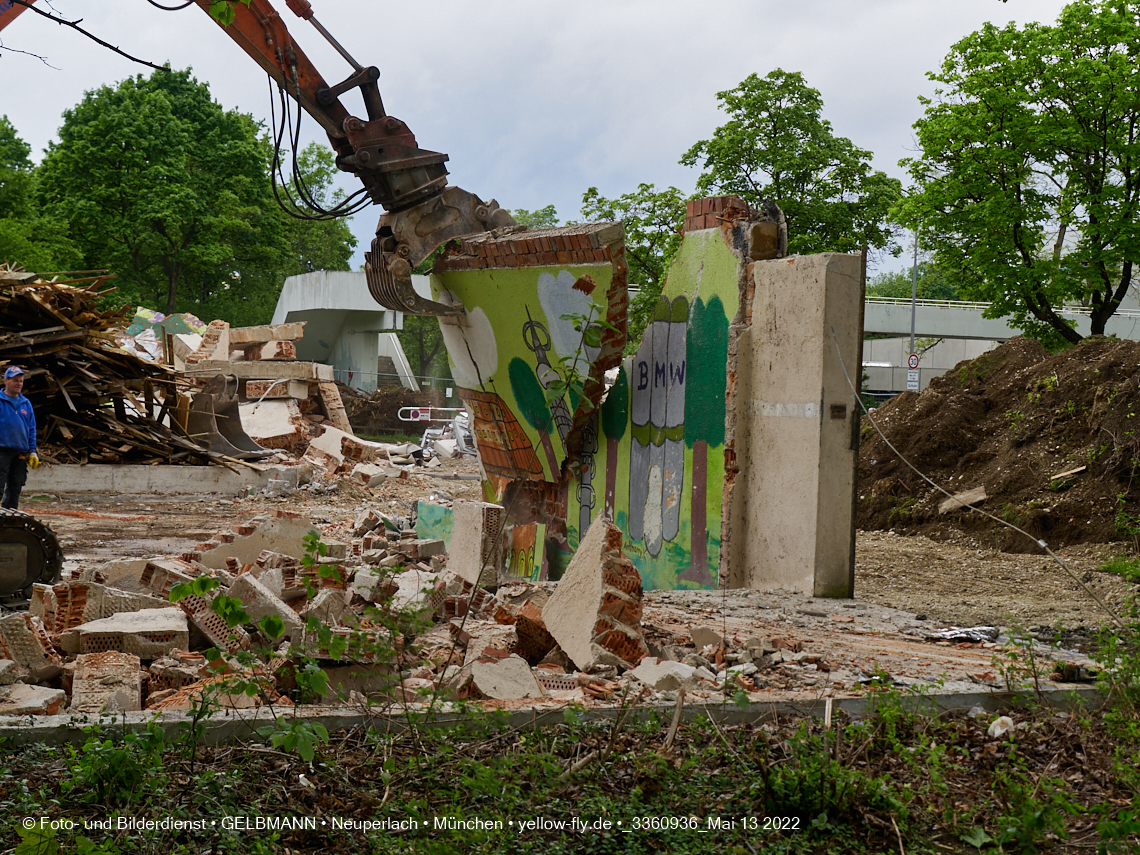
column 410, row 183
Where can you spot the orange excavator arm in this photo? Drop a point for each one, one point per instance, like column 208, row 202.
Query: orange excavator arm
column 410, row 183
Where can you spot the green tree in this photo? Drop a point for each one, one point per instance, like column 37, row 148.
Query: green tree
column 169, row 191
column 423, row 345
column 653, row 220
column 27, row 237
column 318, row 244
column 933, row 284
column 776, row 146
column 542, row 218
column 1027, row 187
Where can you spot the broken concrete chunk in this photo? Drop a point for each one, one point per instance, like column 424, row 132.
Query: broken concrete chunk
column 476, row 547
column 281, row 533
column 260, row 602
column 329, row 606
column 419, row 590
column 663, row 675
column 10, row 672
column 703, row 636
column 334, row 550
column 245, row 336
column 147, row 634
column 21, row 699
column 103, row 678
column 488, row 636
column 369, row 474
column 212, row 626
column 162, row 574
column 366, row 520
column 961, row 500
column 274, row 423
column 596, row 608
column 504, row 679
column 24, row 640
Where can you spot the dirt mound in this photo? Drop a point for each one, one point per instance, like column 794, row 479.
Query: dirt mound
column 378, row 414
column 1018, row 421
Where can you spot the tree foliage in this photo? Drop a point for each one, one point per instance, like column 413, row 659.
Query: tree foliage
column 653, row 220
column 1028, row 184
column 933, row 284
column 423, row 346
column 776, row 146
column 541, row 218
column 169, row 190
column 27, row 236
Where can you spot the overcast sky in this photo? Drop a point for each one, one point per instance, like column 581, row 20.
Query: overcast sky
column 535, row 101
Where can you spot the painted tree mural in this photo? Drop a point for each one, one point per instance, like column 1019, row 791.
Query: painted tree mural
column 615, row 416
column 532, row 404
column 707, row 347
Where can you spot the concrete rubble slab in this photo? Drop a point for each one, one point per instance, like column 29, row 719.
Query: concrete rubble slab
column 244, row 336
column 147, row 634
column 212, row 626
column 476, row 552
column 259, row 601
column 110, row 679
column 10, row 672
column 71, row 603
column 274, row 423
column 21, row 699
column 280, row 532
column 370, row 474
column 329, row 606
column 486, row 636
column 665, row 676
column 703, row 636
column 595, row 611
column 263, row 370
column 505, row 679
column 258, row 390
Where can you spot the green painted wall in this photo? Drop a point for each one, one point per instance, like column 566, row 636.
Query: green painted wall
column 663, row 422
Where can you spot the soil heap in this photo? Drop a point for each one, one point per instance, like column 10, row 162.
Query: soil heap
column 1053, row 438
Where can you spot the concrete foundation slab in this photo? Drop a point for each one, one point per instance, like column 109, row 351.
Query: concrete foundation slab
column 130, row 480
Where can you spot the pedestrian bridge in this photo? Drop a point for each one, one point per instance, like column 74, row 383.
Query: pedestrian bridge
column 959, row 319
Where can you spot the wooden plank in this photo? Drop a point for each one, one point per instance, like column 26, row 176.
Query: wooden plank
column 961, row 500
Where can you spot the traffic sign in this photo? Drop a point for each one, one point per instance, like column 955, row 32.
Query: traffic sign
column 912, row 361
column 912, row 381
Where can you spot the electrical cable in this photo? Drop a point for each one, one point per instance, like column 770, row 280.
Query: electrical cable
column 170, row 8
column 1115, row 618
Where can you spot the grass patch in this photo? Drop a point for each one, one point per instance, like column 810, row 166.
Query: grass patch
column 1128, row 567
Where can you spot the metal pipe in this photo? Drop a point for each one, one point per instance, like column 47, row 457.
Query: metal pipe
column 913, row 290
column 339, row 49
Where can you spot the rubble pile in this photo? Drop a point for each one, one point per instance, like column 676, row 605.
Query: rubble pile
column 391, row 617
column 86, row 646
column 95, row 402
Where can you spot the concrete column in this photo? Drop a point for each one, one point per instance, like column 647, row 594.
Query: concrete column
column 795, row 421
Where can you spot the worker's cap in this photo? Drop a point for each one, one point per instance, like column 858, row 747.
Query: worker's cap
column 13, row 371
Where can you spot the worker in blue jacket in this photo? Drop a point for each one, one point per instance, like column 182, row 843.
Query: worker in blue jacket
column 17, row 437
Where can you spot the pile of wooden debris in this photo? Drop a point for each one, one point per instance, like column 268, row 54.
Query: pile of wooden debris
column 95, row 402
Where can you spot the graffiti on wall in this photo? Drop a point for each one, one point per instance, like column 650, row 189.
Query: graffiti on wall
column 650, row 457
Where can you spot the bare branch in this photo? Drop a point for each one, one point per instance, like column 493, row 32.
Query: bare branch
column 42, row 59
column 75, row 26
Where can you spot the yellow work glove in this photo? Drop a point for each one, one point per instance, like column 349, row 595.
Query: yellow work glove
column 33, row 461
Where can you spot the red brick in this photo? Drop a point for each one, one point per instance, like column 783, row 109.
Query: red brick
column 548, row 257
